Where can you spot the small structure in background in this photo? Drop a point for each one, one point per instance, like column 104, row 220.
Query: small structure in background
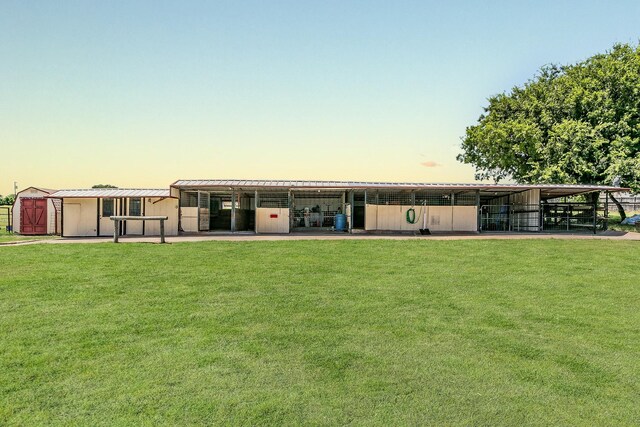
column 88, row 212
column 35, row 214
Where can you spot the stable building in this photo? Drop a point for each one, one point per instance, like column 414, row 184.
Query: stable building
column 87, row 212
column 34, row 214
column 280, row 206
column 287, row 206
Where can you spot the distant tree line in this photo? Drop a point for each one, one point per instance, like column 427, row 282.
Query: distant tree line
column 7, row 200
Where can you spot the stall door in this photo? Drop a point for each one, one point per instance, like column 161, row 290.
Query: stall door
column 33, row 216
column 203, row 211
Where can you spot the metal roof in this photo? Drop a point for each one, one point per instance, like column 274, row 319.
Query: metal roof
column 298, row 184
column 44, row 190
column 110, row 193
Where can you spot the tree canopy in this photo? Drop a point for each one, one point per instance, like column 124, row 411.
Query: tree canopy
column 573, row 124
column 8, row 200
column 103, row 186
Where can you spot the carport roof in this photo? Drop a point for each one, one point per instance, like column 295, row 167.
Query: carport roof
column 547, row 190
column 110, row 193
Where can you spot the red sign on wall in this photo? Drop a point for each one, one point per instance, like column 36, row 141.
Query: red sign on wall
column 273, row 216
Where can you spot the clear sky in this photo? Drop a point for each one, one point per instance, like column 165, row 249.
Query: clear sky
column 141, row 93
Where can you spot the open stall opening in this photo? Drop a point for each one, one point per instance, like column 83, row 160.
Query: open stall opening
column 358, row 209
column 318, row 210
column 221, row 206
column 217, row 211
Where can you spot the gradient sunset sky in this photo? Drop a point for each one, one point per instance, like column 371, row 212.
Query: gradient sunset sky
column 141, row 93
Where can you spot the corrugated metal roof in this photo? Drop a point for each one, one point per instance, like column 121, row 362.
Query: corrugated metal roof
column 293, row 184
column 111, row 193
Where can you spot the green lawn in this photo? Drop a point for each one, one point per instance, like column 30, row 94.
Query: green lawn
column 10, row 237
column 614, row 223
column 482, row 332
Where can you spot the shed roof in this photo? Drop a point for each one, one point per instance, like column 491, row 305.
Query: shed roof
column 110, row 193
column 371, row 184
column 44, row 190
column 547, row 191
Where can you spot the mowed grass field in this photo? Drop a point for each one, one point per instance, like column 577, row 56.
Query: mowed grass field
column 482, row 332
column 6, row 237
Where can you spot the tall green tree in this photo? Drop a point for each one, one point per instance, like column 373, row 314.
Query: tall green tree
column 573, row 124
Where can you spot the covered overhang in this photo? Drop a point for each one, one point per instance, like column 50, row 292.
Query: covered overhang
column 111, row 193
column 547, row 191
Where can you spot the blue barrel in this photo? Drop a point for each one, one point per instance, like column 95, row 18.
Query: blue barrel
column 341, row 222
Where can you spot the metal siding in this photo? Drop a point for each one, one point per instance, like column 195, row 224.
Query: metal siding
column 162, row 207
column 465, row 218
column 266, row 224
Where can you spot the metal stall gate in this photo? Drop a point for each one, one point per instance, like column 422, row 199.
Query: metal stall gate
column 553, row 217
column 204, row 200
column 510, row 217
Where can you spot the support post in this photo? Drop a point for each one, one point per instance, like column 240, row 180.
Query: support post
column 478, row 213
column 595, row 216
column 116, row 226
column 256, row 203
column 162, row 231
column 352, row 202
column 233, row 211
column 290, row 208
column 606, row 210
column 365, row 210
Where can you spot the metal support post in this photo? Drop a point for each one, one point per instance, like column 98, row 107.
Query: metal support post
column 478, row 213
column 233, row 210
column 352, row 202
column 606, row 210
column 595, row 216
column 256, row 202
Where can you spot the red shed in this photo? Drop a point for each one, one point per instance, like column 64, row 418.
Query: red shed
column 34, row 214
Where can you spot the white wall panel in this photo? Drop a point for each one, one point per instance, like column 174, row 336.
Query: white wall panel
column 272, row 220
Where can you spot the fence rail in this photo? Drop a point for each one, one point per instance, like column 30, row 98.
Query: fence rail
column 629, row 204
column 555, row 217
column 5, row 219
